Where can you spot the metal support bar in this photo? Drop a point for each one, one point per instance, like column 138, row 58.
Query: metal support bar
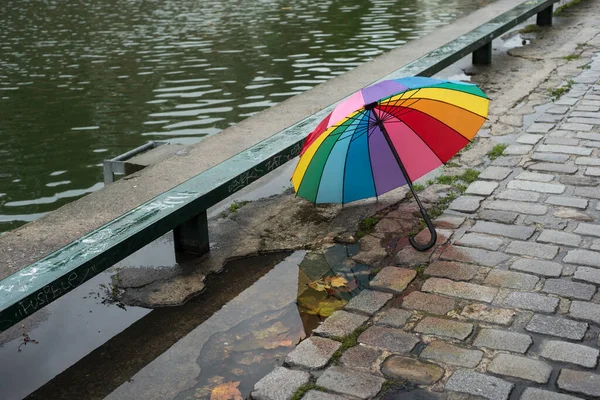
column 192, row 235
column 544, row 17
column 483, row 55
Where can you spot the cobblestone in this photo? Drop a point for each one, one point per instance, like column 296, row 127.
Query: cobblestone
column 517, row 149
column 318, row 395
column 461, row 290
column 589, row 161
column 474, row 256
column 564, row 201
column 467, row 204
column 569, row 353
column 510, row 231
column 430, row 303
column 549, row 157
column 582, row 382
column 312, row 353
column 554, row 167
column 453, row 270
column 576, row 127
column 350, row 382
column 592, row 171
column 536, row 186
column 535, row 176
column 340, row 324
column 585, row 311
column 520, row 367
column 485, row 313
column 559, row 237
column 518, row 195
column 489, row 387
column 539, row 128
column 360, row 357
column 562, row 141
column 575, row 150
column 448, row 222
column 538, row 267
column 567, row 288
column 368, row 302
column 394, row 317
column 390, row 339
column 393, row 279
column 480, row 241
column 589, row 192
column 495, row 173
column 444, row 327
column 589, row 135
column 509, row 279
column 557, row 326
column 578, row 180
column 531, row 301
column 505, row 217
column 503, row 340
column 412, row 370
column 281, row 384
column 532, row 249
column 524, row 208
column 588, row 229
column 540, row 394
column 481, row 188
column 583, row 257
column 446, row 353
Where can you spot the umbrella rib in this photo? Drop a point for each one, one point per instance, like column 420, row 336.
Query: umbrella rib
column 370, row 162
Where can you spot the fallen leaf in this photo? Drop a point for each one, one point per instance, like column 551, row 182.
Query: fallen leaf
column 227, row 391
column 282, row 343
column 337, row 281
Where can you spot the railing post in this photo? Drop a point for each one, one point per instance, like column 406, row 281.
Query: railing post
column 192, row 235
column 483, row 55
column 544, row 17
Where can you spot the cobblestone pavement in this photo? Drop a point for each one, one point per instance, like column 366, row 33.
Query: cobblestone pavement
column 505, row 306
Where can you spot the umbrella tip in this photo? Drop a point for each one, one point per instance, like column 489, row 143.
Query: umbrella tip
column 371, row 106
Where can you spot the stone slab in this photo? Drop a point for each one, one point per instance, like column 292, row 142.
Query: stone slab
column 473, row 256
column 570, row 289
column 312, row 353
column 540, row 394
column 588, row 192
column 585, row 311
column 368, row 302
column 520, row 367
column 340, row 324
column 510, row 231
column 531, row 301
column 557, row 326
column 446, row 353
column 588, row 229
column 481, row 188
column 540, row 187
column 532, row 249
column 412, row 370
column 444, row 327
column 393, row 279
column 461, row 290
column 518, row 195
column 467, row 204
column 583, row 382
column 554, row 166
column 486, row 313
column 350, row 382
column 535, row 176
column 495, row 173
column 318, row 395
column 517, row 149
column 360, row 357
column 390, row 339
column 478, row 240
column 517, row 206
column 504, row 217
column 512, row 280
column 503, row 340
column 559, row 237
column 477, row 384
column 572, row 353
column 583, row 257
column 565, row 201
column 538, row 267
column 549, row 157
column 429, row 303
column 587, row 274
column 589, row 161
column 453, row 270
column 280, row 384
column 394, row 317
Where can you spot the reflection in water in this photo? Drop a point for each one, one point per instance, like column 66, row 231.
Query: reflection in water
column 82, row 81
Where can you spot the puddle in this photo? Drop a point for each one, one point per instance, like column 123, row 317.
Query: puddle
column 250, row 316
column 514, row 40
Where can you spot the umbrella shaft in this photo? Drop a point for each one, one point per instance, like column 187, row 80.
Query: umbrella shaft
column 397, row 157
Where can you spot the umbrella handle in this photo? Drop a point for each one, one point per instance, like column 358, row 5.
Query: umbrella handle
column 432, row 232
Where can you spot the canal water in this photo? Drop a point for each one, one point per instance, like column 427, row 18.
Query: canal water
column 82, row 81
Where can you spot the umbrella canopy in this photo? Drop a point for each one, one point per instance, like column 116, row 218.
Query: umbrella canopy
column 387, row 135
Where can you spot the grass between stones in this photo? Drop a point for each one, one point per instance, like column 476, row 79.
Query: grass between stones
column 347, row 342
column 395, row 385
column 234, row 207
column 366, row 225
column 497, row 151
column 557, row 93
column 571, row 57
column 302, row 390
column 566, row 6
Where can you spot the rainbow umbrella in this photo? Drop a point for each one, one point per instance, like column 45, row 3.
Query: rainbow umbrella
column 386, row 136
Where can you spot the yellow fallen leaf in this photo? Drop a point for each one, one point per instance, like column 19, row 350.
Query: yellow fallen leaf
column 227, row 391
column 337, row 281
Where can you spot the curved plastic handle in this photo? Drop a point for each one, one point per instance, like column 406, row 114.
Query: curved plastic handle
column 432, row 231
